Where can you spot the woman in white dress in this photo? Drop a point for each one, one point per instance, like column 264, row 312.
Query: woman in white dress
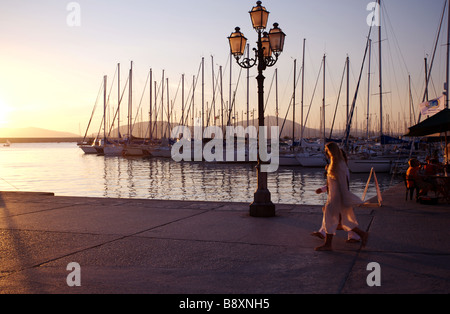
column 340, row 200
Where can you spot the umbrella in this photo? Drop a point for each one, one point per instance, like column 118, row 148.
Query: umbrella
column 438, row 123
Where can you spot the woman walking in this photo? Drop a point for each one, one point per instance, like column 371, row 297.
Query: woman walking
column 340, row 201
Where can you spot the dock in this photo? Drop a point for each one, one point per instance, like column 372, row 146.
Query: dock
column 145, row 246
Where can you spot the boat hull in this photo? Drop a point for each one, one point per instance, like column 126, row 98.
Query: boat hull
column 311, row 161
column 113, row 150
column 88, row 149
column 288, row 160
column 365, row 165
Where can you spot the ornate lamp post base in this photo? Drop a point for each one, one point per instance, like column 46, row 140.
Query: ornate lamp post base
column 262, row 206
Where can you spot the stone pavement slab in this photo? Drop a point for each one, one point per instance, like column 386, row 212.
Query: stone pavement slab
column 188, row 247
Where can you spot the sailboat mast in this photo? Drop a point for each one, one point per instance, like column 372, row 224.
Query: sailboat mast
column 303, row 84
column 151, row 105
column 381, row 72
column 348, row 88
column 248, row 87
column 368, row 89
column 448, row 55
column 213, row 105
column 323, row 102
column 104, row 107
column 118, row 100
column 293, row 105
column 203, row 92
column 276, row 95
column 221, row 97
column 130, row 102
column 182, row 99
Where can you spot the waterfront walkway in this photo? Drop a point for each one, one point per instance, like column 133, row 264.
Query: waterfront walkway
column 188, row 247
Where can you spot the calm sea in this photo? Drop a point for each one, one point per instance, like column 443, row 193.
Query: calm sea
column 63, row 168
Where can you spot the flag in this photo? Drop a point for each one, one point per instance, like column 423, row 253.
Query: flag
column 433, row 106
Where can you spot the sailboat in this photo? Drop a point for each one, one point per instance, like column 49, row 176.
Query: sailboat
column 363, row 163
column 7, row 144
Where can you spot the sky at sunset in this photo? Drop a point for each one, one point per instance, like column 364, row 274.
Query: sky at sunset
column 52, row 66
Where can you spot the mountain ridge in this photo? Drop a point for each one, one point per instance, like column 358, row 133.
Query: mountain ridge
column 34, row 132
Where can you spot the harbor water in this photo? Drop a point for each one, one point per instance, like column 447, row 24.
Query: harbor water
column 63, row 168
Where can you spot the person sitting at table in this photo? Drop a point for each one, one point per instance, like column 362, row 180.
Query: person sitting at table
column 430, row 168
column 412, row 176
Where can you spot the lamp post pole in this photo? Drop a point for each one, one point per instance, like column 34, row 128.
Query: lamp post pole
column 262, row 205
column 267, row 45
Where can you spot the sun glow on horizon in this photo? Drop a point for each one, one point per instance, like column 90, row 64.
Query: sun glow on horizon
column 4, row 113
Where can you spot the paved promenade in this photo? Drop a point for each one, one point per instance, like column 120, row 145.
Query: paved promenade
column 187, row 247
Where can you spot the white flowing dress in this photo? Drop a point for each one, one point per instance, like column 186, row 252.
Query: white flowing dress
column 340, row 201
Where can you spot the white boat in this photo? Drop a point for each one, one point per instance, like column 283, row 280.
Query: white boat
column 164, row 151
column 7, row 144
column 113, row 150
column 288, row 159
column 356, row 165
column 88, row 149
column 134, row 150
column 94, row 147
column 311, row 159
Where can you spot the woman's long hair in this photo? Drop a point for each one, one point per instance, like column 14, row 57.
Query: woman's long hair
column 337, row 161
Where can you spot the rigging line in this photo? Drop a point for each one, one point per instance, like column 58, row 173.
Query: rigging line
column 188, row 96
column 140, row 102
column 347, row 130
column 172, row 105
column 312, row 98
column 160, row 88
column 388, row 22
column 111, row 88
column 330, row 75
column 434, row 53
column 234, row 97
column 192, row 96
column 213, row 101
column 11, row 184
column 337, row 102
column 103, row 116
column 93, row 111
column 176, row 95
column 268, row 94
column 292, row 97
column 118, row 107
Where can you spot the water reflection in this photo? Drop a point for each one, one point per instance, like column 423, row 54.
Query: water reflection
column 159, row 178
column 65, row 170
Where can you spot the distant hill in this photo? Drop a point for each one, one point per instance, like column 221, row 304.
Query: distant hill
column 32, row 132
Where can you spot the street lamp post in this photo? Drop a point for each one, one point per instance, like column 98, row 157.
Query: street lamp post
column 269, row 47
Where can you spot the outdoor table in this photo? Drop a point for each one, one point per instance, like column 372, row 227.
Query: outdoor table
column 443, row 186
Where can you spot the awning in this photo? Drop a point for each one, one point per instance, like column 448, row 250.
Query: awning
column 438, row 123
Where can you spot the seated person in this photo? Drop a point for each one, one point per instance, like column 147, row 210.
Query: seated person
column 412, row 175
column 430, row 168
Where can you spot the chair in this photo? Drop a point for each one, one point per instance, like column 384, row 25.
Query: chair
column 411, row 189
